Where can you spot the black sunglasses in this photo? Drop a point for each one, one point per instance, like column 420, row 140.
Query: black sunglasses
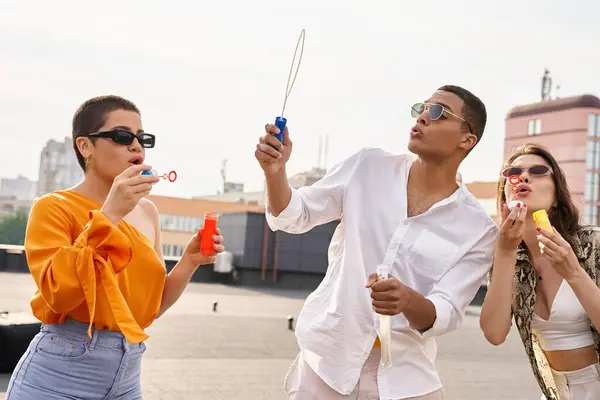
column 435, row 112
column 124, row 137
column 534, row 170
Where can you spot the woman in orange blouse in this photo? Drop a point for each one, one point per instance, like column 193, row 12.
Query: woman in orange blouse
column 95, row 254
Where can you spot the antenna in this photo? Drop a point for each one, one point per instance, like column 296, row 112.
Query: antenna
column 224, row 173
column 546, row 85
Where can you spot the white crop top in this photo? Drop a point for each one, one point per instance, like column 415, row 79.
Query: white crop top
column 568, row 327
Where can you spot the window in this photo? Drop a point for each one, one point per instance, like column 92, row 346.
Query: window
column 590, row 214
column 166, row 222
column 592, row 176
column 173, row 250
column 179, row 223
column 591, row 188
column 535, row 127
column 593, row 145
column 593, row 125
column 590, row 155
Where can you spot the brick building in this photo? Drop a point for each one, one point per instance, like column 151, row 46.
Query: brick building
column 570, row 128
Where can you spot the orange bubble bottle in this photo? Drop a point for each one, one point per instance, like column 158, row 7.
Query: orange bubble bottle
column 207, row 244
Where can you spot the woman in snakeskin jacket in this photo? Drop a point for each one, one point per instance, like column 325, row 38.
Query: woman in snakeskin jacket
column 548, row 281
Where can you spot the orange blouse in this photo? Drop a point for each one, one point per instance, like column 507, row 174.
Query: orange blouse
column 90, row 270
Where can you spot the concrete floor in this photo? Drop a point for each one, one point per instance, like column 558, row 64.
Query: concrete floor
column 244, row 350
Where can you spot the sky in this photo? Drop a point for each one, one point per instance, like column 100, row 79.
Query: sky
column 208, row 75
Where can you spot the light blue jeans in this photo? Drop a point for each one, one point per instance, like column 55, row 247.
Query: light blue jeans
column 62, row 362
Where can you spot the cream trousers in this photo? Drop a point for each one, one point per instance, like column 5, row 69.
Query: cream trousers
column 583, row 384
column 302, row 383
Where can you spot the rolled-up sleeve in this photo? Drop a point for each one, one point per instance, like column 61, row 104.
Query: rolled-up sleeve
column 453, row 293
column 317, row 204
column 286, row 220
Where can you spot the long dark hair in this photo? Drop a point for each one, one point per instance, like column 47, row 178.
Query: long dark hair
column 564, row 215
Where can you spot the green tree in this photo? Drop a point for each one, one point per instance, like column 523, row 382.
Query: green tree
column 12, row 228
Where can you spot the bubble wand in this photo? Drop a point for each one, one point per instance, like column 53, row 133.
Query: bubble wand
column 171, row 176
column 514, row 181
column 385, row 325
column 281, row 121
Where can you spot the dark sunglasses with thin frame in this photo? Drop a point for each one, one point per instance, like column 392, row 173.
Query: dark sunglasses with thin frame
column 533, row 170
column 435, row 112
column 124, row 137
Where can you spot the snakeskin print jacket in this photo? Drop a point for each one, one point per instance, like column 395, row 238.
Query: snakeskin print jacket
column 587, row 250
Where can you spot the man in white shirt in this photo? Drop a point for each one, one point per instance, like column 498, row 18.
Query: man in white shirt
column 408, row 213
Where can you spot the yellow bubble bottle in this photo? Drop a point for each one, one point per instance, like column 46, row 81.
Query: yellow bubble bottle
column 542, row 220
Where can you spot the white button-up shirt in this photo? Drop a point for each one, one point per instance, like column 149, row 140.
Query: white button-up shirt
column 444, row 254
